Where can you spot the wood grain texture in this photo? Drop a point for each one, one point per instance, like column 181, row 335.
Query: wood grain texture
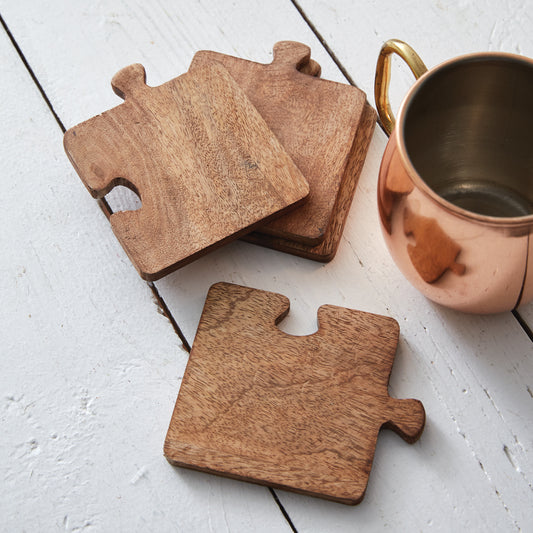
column 201, row 158
column 326, row 250
column 323, row 125
column 301, row 413
column 473, row 468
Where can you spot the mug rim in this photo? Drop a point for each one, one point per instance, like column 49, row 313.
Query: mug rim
column 516, row 221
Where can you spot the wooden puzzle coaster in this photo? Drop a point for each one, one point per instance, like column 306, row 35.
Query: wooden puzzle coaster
column 203, row 161
column 298, row 413
column 326, row 129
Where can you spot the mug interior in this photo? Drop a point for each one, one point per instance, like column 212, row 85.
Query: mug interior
column 467, row 130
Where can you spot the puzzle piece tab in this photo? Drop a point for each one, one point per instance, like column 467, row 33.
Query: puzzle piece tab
column 299, row 413
column 205, row 164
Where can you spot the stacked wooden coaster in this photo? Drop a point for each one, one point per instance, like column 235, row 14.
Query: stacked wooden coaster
column 229, row 149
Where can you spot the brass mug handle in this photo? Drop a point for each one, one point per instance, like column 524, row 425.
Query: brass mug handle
column 382, row 81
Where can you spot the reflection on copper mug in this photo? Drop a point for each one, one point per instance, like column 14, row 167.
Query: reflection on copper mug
column 455, row 190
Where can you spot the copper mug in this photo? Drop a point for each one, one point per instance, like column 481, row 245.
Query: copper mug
column 455, row 190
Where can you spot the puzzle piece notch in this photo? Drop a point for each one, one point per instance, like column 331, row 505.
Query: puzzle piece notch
column 100, row 174
column 302, row 413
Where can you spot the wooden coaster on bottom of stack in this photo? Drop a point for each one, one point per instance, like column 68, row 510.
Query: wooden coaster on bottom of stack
column 326, row 129
column 203, row 161
column 298, row 413
column 325, row 251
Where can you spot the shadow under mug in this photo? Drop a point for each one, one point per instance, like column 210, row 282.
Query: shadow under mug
column 455, row 190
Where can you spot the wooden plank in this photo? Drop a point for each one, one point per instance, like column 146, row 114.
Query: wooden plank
column 90, row 366
column 472, row 467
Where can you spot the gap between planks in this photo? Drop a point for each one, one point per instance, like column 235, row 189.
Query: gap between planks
column 31, row 73
column 323, row 42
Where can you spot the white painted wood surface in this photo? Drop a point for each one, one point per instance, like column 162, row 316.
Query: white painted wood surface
column 89, row 380
column 90, row 367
